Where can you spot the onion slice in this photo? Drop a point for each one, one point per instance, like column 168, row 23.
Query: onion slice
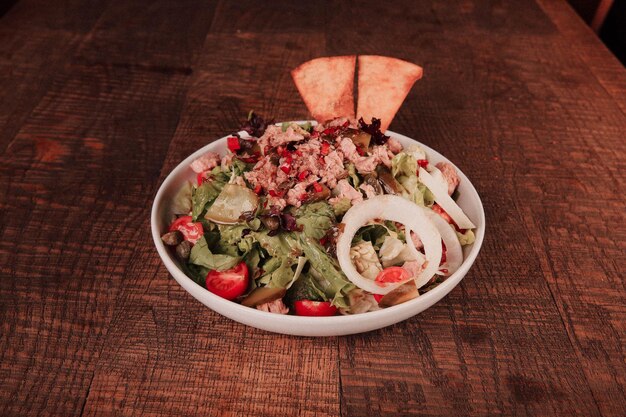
column 454, row 253
column 445, row 201
column 397, row 209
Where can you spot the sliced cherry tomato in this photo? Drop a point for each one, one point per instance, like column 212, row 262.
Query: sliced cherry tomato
column 392, row 274
column 228, row 284
column 325, row 148
column 190, row 230
column 233, row 144
column 378, row 297
column 422, row 163
column 314, row 308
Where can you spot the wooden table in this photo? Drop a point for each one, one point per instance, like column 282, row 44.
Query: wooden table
column 100, row 99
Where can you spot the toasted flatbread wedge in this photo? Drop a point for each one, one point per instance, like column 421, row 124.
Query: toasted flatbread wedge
column 383, row 84
column 327, row 86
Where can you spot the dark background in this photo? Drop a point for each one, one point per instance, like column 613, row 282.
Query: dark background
column 613, row 30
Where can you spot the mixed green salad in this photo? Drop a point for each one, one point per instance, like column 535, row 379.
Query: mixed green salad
column 318, row 220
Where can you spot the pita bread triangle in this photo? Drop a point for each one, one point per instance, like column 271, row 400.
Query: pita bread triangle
column 383, row 84
column 327, row 86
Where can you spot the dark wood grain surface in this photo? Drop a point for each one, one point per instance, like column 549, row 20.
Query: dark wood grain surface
column 100, row 99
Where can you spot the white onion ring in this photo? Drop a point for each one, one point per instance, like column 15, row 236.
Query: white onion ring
column 454, row 253
column 445, row 201
column 397, row 209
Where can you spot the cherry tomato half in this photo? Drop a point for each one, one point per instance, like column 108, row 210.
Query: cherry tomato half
column 190, row 230
column 314, row 308
column 391, row 275
column 228, row 284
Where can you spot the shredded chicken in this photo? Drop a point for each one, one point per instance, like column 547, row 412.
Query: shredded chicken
column 334, row 169
column 276, row 202
column 294, row 196
column 450, row 175
column 364, row 164
column 394, row 146
column 383, row 155
column 345, row 190
column 360, row 302
column 414, row 267
column 206, row 162
column 276, row 306
column 368, row 190
column 263, row 174
column 274, row 135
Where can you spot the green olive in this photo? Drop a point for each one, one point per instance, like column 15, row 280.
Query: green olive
column 389, row 183
column 263, row 295
column 362, row 140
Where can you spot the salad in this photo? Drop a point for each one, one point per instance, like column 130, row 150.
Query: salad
column 318, row 220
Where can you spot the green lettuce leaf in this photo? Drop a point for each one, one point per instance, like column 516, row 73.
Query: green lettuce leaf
column 315, row 219
column 329, row 277
column 203, row 196
column 403, row 165
column 201, row 255
column 252, row 258
column 282, row 245
column 281, row 276
column 342, row 206
column 238, row 167
column 466, row 238
column 305, row 288
column 374, row 233
column 182, row 201
column 404, row 169
column 196, row 272
column 231, row 234
column 353, row 177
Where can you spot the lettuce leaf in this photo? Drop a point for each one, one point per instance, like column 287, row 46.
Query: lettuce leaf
column 305, row 288
column 331, row 280
column 342, row 206
column 466, row 238
column 282, row 245
column 403, row 164
column 353, row 177
column 182, row 201
column 282, row 276
column 196, row 273
column 231, row 234
column 201, row 255
column 315, row 219
column 204, row 195
column 404, row 169
column 374, row 233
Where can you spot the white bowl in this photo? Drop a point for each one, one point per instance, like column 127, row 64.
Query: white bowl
column 311, row 326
